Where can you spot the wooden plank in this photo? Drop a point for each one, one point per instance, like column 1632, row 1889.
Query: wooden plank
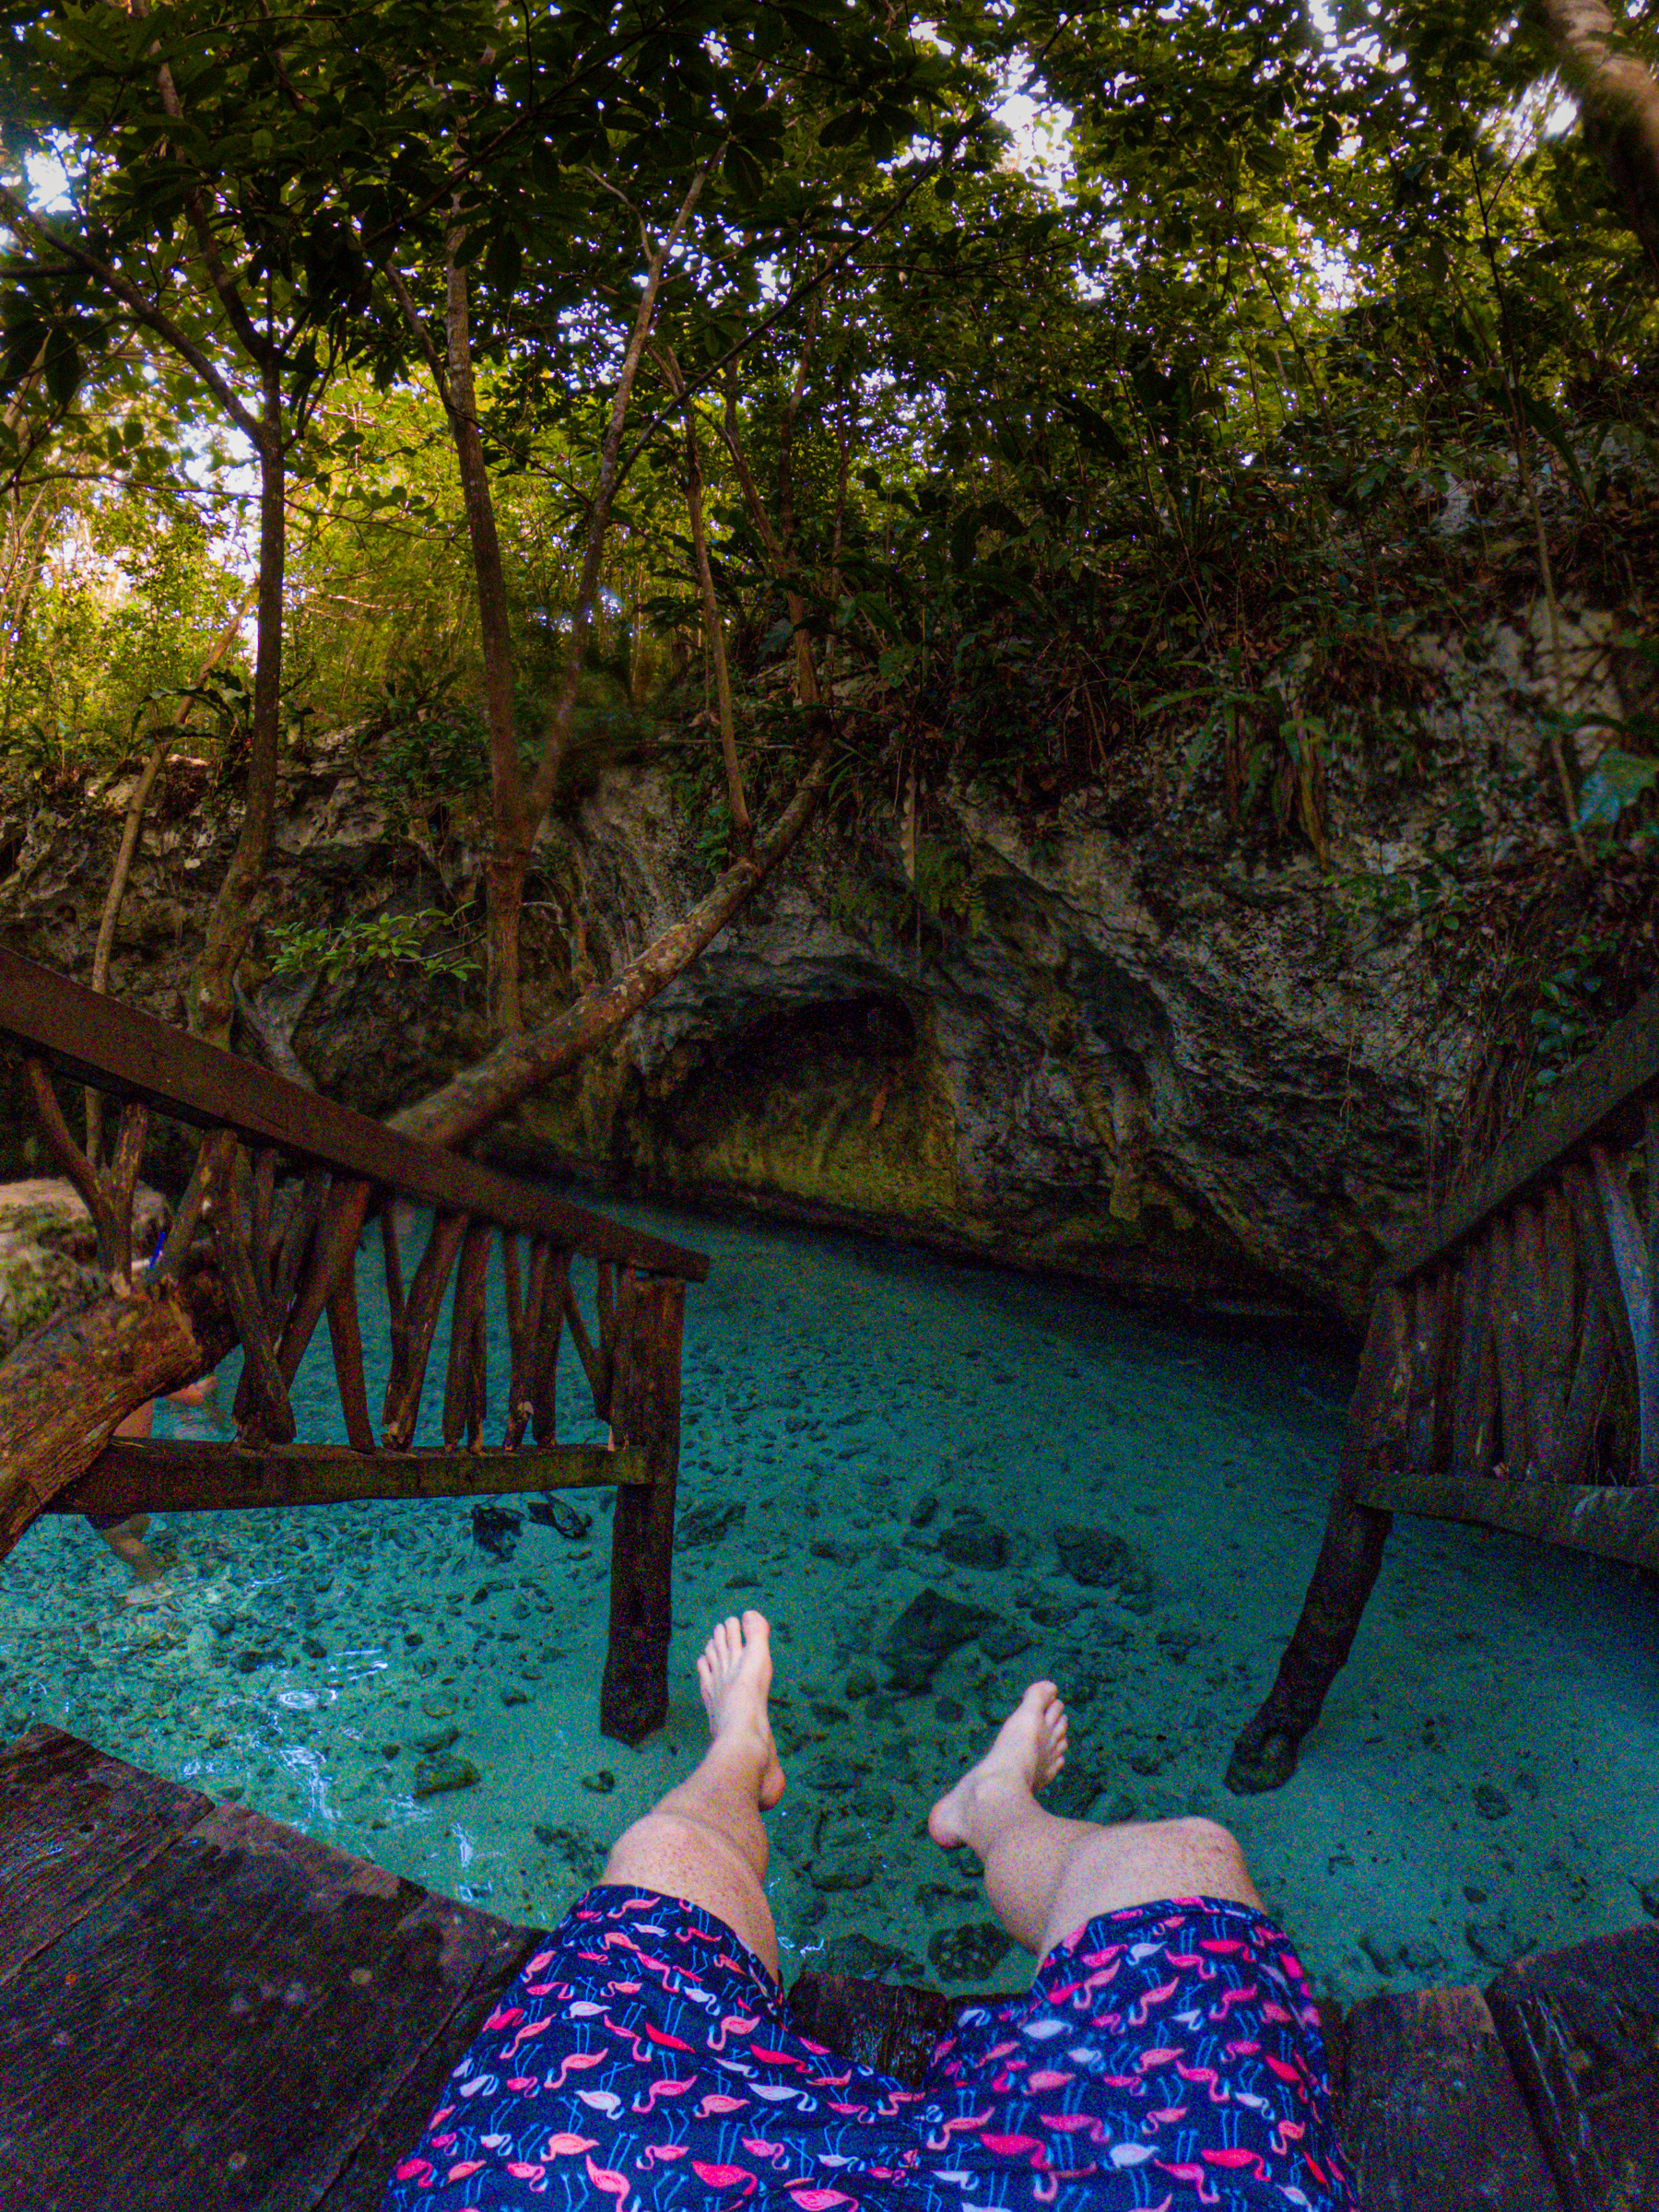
column 1425, row 1405
column 400, row 1412
column 1629, row 1251
column 99, row 1041
column 1614, row 1524
column 1430, row 2116
column 1475, row 1405
column 1536, row 1285
column 1581, row 2031
column 361, row 2184
column 462, row 1383
column 545, row 1322
column 225, row 2028
column 1562, row 1295
column 633, row 1696
column 1587, row 1399
column 1603, row 1090
column 886, row 2025
column 345, row 1338
column 164, row 1476
column 1515, row 1430
column 74, row 1825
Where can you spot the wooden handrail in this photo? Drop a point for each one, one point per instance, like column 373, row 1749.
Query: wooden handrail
column 1602, row 1089
column 99, row 1041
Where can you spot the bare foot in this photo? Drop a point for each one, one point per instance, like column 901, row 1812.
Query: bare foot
column 735, row 1676
column 1029, row 1752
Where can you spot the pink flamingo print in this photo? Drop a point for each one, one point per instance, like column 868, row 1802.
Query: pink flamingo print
column 1237, row 2160
column 576, row 2062
column 725, row 2177
column 668, row 2086
column 735, row 2023
column 1140, row 2012
column 1219, row 2091
column 526, row 2034
column 613, row 2184
column 716, row 2104
column 1197, row 2176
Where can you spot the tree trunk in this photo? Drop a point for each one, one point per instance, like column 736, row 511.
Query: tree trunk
column 743, row 828
column 510, row 848
column 64, row 1391
column 1618, row 100
column 482, row 1093
column 231, row 922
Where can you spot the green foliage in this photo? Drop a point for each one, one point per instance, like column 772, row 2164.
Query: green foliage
column 1142, row 478
column 403, row 941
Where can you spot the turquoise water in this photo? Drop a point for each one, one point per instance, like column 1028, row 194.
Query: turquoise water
column 1483, row 1780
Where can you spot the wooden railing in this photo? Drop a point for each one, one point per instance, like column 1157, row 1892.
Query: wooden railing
column 1511, row 1372
column 284, row 1184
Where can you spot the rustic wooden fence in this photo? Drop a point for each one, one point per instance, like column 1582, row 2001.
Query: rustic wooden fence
column 1511, row 1372
column 283, row 1185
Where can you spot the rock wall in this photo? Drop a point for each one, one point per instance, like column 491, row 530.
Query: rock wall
column 1117, row 1052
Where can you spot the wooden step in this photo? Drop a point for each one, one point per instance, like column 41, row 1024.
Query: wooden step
column 1581, row 2029
column 1430, row 2115
column 237, row 2019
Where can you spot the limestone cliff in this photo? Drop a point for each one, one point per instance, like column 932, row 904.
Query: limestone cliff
column 1121, row 1051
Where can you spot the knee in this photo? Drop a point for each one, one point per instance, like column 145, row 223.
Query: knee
column 1190, row 1856
column 663, row 1840
column 1214, row 1855
column 1204, row 1838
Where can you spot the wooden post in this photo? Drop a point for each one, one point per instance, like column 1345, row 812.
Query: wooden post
column 645, row 1415
column 1265, row 1756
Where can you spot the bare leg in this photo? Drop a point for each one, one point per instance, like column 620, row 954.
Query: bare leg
column 705, row 1841
column 1046, row 1876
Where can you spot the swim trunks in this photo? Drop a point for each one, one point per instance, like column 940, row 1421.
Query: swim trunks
column 1165, row 2056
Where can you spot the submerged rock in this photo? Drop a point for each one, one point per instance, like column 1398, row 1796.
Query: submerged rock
column 579, row 1852
column 1096, row 1557
column 1495, row 1943
column 925, row 1635
column 704, row 1524
column 568, row 1520
column 967, row 1953
column 846, row 1866
column 968, row 1539
column 1491, row 1803
column 495, row 1530
column 1390, row 1955
column 1006, row 1640
column 863, row 1956
column 434, row 1777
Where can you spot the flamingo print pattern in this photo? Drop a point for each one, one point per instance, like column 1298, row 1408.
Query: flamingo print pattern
column 1165, row 2057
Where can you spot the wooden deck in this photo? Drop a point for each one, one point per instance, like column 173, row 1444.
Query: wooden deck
column 202, row 2008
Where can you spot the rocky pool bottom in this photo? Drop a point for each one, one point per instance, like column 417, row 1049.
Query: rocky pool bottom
column 940, row 1483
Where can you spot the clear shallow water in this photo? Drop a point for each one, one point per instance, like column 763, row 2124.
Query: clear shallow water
column 1483, row 1782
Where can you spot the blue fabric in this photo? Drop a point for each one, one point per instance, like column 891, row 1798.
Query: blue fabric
column 1166, row 2056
